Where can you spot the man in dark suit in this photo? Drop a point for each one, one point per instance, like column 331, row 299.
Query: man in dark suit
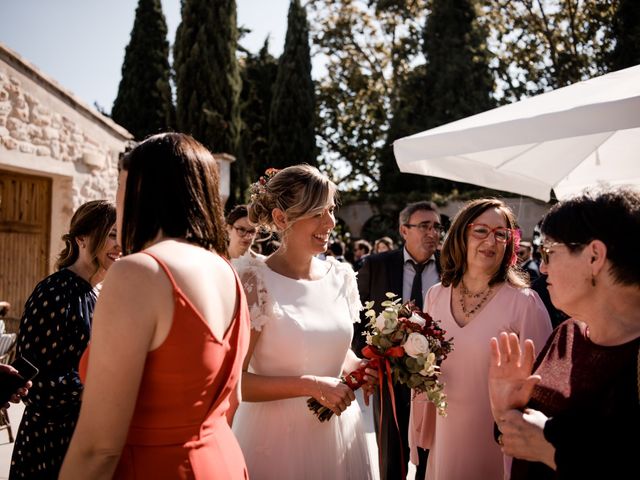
column 409, row 272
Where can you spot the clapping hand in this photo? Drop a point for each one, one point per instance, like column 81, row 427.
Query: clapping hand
column 510, row 380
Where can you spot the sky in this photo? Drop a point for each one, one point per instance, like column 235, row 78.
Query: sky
column 81, row 43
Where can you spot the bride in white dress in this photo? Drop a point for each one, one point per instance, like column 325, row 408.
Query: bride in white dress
column 302, row 314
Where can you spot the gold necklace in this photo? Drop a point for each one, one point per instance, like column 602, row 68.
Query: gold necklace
column 483, row 295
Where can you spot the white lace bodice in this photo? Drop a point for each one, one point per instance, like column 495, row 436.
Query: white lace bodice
column 306, row 325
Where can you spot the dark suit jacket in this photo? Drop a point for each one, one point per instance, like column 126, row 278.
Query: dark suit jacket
column 382, row 273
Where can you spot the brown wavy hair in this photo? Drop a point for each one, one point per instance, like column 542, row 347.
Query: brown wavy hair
column 453, row 257
column 173, row 186
column 93, row 220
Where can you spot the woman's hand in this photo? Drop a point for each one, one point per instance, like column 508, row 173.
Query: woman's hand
column 371, row 377
column 510, row 379
column 523, row 436
column 21, row 392
column 333, row 394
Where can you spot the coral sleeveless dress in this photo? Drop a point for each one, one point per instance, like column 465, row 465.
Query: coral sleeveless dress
column 179, row 428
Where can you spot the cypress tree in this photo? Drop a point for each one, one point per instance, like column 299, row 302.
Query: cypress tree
column 258, row 76
column 207, row 74
column 626, row 31
column 458, row 80
column 292, row 137
column 144, row 104
column 455, row 82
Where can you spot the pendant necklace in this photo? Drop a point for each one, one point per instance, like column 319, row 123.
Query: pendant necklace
column 479, row 298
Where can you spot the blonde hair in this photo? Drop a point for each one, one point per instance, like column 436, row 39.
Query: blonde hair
column 300, row 191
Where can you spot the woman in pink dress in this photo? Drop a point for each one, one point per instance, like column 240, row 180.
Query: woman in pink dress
column 482, row 294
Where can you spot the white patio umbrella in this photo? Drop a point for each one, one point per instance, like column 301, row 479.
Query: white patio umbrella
column 577, row 136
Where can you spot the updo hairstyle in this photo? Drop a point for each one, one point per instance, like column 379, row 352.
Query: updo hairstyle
column 300, row 191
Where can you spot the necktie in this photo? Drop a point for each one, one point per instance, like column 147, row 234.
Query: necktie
column 416, row 287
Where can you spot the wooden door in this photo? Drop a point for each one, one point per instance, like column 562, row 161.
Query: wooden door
column 25, row 213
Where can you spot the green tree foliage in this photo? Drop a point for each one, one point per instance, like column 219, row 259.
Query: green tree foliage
column 458, row 80
column 368, row 48
column 207, row 75
column 258, row 72
column 541, row 45
column 144, row 104
column 626, row 32
column 455, row 82
column 292, row 137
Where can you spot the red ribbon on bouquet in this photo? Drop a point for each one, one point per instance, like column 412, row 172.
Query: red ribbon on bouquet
column 381, row 360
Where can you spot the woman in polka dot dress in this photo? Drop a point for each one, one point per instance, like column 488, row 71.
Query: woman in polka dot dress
column 54, row 332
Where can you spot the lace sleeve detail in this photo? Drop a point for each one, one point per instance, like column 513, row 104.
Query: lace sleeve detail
column 350, row 288
column 262, row 307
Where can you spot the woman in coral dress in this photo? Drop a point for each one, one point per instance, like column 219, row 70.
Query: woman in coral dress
column 170, row 329
column 302, row 314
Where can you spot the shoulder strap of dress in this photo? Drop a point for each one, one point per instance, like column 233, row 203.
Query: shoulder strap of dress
column 166, row 270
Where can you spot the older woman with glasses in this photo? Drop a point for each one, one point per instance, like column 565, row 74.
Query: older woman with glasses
column 578, row 416
column 241, row 231
column 482, row 293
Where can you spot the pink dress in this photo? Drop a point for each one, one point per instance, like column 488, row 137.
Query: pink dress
column 462, row 446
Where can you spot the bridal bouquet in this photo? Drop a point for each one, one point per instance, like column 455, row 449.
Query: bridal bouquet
column 411, row 345
column 406, row 346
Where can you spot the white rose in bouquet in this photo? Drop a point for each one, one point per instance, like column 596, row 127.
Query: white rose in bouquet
column 415, row 318
column 387, row 321
column 416, row 345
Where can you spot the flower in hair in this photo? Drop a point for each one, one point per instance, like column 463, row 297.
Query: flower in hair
column 260, row 187
column 516, row 246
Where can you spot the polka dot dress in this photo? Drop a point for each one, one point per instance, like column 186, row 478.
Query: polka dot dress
column 54, row 332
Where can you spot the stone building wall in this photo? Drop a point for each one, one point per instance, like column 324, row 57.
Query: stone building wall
column 46, row 131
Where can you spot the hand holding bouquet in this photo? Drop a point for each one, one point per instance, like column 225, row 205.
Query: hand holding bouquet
column 364, row 375
column 410, row 345
column 404, row 344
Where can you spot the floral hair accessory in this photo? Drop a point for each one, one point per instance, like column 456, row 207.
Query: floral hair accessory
column 260, row 187
column 516, row 246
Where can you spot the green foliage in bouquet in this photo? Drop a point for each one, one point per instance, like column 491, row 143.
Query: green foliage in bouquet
column 412, row 343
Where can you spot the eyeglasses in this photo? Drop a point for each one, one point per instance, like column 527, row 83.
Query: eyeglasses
column 243, row 232
column 546, row 249
column 482, row 231
column 424, row 227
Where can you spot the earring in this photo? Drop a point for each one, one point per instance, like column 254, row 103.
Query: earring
column 593, row 281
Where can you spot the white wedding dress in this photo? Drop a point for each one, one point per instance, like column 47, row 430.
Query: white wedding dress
column 306, row 328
